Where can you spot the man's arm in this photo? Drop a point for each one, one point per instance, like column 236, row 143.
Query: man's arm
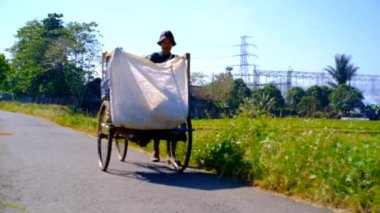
column 154, row 58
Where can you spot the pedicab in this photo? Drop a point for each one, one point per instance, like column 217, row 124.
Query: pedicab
column 142, row 102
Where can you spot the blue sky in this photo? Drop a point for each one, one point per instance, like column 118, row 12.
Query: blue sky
column 304, row 35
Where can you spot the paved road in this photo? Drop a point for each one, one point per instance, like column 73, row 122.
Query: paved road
column 47, row 168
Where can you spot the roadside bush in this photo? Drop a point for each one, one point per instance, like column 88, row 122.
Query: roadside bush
column 337, row 165
column 226, row 157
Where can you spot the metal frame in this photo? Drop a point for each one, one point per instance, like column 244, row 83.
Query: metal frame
column 143, row 137
column 163, row 132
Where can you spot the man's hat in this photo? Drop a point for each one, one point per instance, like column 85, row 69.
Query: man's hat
column 168, row 35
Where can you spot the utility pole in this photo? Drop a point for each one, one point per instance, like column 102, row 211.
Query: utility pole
column 244, row 56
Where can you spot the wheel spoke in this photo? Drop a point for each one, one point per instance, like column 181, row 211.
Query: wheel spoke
column 122, row 147
column 179, row 151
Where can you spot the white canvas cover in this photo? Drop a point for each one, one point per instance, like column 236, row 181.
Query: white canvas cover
column 145, row 95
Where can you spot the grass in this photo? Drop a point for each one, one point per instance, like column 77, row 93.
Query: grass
column 330, row 162
column 12, row 206
column 325, row 161
column 62, row 115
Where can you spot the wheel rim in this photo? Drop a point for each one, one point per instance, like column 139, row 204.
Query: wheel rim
column 101, row 138
column 104, row 140
column 121, row 147
column 103, row 143
column 180, row 150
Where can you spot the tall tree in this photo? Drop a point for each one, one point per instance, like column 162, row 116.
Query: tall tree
column 293, row 97
column 28, row 56
column 54, row 59
column 308, row 106
column 52, row 26
column 219, row 90
column 270, row 93
column 4, row 70
column 274, row 92
column 346, row 98
column 321, row 95
column 239, row 93
column 343, row 70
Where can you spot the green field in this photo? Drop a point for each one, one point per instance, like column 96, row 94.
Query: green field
column 330, row 162
column 326, row 161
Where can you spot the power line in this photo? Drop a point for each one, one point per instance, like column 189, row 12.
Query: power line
column 212, row 57
column 217, row 46
column 206, row 67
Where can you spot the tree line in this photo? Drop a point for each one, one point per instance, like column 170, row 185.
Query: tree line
column 336, row 100
column 53, row 60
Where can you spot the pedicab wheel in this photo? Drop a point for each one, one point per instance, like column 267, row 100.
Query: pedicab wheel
column 105, row 135
column 121, row 144
column 180, row 151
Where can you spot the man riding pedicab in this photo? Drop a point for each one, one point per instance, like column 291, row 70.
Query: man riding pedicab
column 166, row 41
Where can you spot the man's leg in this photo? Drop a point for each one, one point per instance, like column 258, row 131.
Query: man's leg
column 156, row 151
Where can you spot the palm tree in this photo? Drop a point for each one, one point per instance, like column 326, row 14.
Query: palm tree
column 343, row 71
column 263, row 103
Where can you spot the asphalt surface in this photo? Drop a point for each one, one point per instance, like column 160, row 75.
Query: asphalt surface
column 48, row 168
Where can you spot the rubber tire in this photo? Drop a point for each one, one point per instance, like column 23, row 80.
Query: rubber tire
column 104, row 160
column 121, row 153
column 104, row 165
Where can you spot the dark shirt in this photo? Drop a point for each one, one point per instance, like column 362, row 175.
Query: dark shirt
column 160, row 58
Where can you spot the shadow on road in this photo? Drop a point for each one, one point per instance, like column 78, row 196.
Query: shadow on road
column 164, row 175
